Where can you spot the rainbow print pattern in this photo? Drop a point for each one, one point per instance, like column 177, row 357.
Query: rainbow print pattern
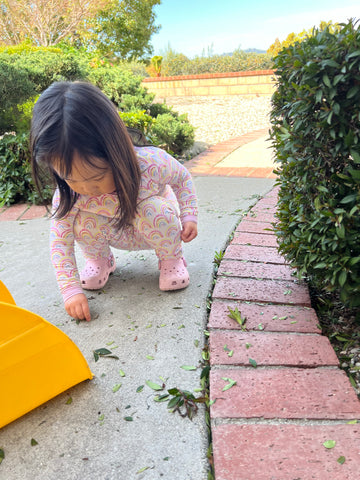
column 167, row 199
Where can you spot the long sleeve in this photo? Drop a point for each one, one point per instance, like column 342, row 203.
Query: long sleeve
column 161, row 169
column 63, row 254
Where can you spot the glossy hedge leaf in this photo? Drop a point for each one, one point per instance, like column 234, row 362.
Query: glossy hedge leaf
column 317, row 155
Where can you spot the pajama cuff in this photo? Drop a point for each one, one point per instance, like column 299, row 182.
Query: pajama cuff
column 189, row 218
column 71, row 291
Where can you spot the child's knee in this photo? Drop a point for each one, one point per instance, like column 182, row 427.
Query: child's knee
column 159, row 216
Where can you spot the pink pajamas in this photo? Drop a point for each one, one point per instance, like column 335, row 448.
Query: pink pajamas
column 166, row 200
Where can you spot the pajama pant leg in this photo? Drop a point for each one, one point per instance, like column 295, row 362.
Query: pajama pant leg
column 156, row 226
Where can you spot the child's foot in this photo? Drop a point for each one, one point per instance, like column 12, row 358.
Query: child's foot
column 173, row 274
column 96, row 272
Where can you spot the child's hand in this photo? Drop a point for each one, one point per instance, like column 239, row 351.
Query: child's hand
column 189, row 231
column 77, row 307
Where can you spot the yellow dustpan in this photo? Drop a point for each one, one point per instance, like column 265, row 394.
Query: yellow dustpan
column 37, row 360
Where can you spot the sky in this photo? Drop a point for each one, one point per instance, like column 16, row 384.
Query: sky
column 194, row 27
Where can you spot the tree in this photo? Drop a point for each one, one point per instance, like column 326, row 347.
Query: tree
column 124, row 29
column 44, row 22
column 292, row 38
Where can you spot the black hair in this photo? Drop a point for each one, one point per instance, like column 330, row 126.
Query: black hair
column 76, row 117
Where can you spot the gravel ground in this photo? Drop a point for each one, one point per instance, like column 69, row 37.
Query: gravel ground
column 220, row 118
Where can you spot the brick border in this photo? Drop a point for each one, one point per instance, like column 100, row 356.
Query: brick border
column 203, row 164
column 277, row 388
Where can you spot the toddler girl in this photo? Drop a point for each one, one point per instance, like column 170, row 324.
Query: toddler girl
column 110, row 192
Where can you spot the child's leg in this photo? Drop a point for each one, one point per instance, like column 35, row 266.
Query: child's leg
column 92, row 234
column 156, row 226
column 159, row 224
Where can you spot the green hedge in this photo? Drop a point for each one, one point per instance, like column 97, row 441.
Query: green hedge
column 178, row 64
column 15, row 171
column 316, row 134
column 25, row 71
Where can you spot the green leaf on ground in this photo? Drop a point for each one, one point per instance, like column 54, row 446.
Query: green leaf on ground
column 116, row 387
column 154, row 386
column 103, row 352
column 2, row 455
column 341, row 460
column 188, row 367
column 33, row 442
column 253, row 362
column 230, row 384
column 329, row 444
column 236, row 315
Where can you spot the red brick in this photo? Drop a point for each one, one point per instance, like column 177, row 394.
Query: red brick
column 254, row 254
column 292, row 393
column 246, row 238
column 257, row 216
column 35, row 211
column 14, row 212
column 285, row 452
column 271, row 318
column 264, row 173
column 255, row 227
column 244, row 171
column 270, row 349
column 263, row 207
column 274, row 193
column 252, row 290
column 236, row 268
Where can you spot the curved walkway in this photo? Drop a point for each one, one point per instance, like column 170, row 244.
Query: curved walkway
column 278, row 394
column 210, row 162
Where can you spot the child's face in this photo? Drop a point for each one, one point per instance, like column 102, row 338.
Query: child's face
column 88, row 180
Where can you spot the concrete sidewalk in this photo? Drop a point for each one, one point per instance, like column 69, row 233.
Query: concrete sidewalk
column 154, row 334
column 287, row 395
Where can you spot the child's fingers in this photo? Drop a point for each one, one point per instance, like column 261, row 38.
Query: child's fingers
column 78, row 307
column 189, row 232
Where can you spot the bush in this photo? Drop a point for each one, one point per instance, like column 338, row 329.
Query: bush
column 15, row 88
column 174, row 64
column 45, row 65
column 174, row 134
column 116, row 83
column 25, row 71
column 316, row 134
column 139, row 120
column 15, row 171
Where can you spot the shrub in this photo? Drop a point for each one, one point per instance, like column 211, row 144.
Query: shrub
column 15, row 88
column 139, row 120
column 174, row 134
column 316, row 134
column 45, row 65
column 15, row 171
column 174, row 64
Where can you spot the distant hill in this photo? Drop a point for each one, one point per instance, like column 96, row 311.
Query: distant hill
column 254, row 50
column 248, row 50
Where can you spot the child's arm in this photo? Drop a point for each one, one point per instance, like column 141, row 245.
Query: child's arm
column 171, row 172
column 64, row 263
